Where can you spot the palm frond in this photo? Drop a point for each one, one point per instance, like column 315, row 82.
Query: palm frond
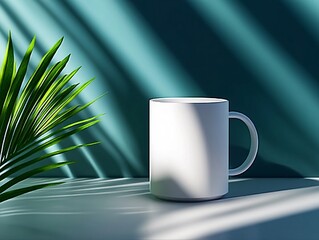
column 17, row 192
column 33, row 118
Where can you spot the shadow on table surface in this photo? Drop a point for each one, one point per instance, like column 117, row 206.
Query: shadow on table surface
column 246, row 187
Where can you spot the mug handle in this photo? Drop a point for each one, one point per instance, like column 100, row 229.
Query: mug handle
column 253, row 144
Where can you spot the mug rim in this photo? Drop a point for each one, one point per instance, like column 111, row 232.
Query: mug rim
column 189, row 100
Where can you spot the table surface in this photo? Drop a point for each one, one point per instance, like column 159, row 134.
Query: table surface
column 123, row 208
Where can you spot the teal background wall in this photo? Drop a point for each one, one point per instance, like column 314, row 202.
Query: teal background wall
column 261, row 55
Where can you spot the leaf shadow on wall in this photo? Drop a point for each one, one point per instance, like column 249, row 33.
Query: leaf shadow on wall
column 204, row 55
column 217, row 69
column 134, row 114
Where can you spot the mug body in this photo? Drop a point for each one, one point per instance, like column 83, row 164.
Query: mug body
column 189, row 148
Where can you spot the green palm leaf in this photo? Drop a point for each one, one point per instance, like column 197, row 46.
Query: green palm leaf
column 33, row 118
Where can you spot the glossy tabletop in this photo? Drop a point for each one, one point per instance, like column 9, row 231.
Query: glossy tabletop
column 124, row 209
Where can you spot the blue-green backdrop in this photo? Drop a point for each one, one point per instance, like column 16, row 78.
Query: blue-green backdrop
column 261, row 55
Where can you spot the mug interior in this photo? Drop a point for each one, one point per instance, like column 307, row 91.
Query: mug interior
column 189, row 100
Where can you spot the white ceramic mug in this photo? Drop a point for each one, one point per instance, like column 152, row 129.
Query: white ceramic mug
column 189, row 145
